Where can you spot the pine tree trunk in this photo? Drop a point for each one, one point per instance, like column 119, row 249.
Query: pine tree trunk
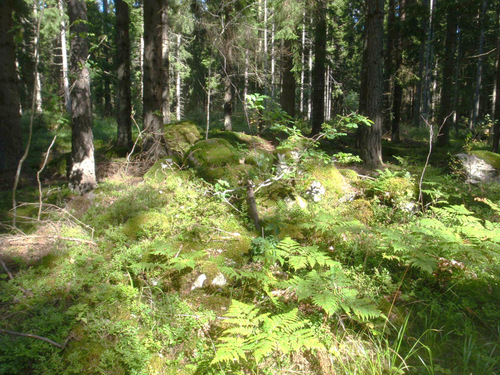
column 178, row 81
column 11, row 143
column 303, row 64
column 398, row 88
column 38, row 84
column 82, row 177
column 124, row 121
column 288, row 89
column 426, row 88
column 318, row 95
column 64, row 54
column 165, row 95
column 152, row 79
column 445, row 113
column 496, row 129
column 108, row 110
column 390, row 52
column 479, row 72
column 371, row 90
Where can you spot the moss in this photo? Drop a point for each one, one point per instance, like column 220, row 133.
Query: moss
column 161, row 168
column 349, row 174
column 251, row 142
column 489, row 157
column 215, row 159
column 359, row 209
column 328, row 176
column 147, row 224
column 215, row 152
column 181, row 136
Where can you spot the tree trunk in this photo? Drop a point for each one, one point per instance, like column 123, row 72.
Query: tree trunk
column 107, row 63
column 303, row 63
column 288, row 89
column 178, row 81
column 445, row 113
column 479, row 72
column 82, row 177
column 165, row 95
column 390, row 69
column 228, row 56
column 123, row 119
column 426, row 89
column 318, row 102
column 38, row 84
column 152, row 79
column 64, row 54
column 11, row 143
column 398, row 88
column 371, row 90
column 496, row 129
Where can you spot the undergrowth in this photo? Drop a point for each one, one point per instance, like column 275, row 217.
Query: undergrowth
column 166, row 275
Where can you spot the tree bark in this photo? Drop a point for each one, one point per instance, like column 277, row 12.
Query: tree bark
column 64, row 54
column 479, row 72
column 287, row 99
column 445, row 113
column 398, row 88
column 153, row 128
column 178, row 83
column 371, row 90
column 124, row 113
column 82, row 177
column 107, row 63
column 165, row 64
column 318, row 102
column 228, row 56
column 496, row 129
column 11, row 144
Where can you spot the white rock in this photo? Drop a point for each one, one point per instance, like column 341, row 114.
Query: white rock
column 476, row 169
column 199, row 282
column 219, row 280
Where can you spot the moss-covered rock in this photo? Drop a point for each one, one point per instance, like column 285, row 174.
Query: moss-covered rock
column 215, row 159
column 163, row 166
column 349, row 174
column 251, row 142
column 147, row 225
column 181, row 136
column 489, row 157
column 322, row 183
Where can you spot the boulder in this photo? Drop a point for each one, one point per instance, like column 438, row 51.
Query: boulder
column 477, row 169
column 180, row 136
column 215, row 159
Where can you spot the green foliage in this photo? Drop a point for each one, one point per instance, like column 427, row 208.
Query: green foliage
column 251, row 336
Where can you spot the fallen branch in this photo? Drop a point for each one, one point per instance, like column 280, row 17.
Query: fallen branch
column 11, row 277
column 60, row 346
column 38, row 176
column 23, row 238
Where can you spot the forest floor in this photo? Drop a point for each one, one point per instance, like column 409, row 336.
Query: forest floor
column 161, row 269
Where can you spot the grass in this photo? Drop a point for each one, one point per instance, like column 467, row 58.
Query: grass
column 113, row 274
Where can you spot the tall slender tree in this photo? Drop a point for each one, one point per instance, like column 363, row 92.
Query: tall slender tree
column 371, row 90
column 318, row 94
column 124, row 101
column 445, row 118
column 152, row 79
column 165, row 72
column 82, row 178
column 10, row 119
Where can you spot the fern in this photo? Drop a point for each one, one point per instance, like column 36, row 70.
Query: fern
column 162, row 255
column 252, row 336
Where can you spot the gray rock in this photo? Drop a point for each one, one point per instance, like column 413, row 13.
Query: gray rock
column 476, row 169
column 219, row 280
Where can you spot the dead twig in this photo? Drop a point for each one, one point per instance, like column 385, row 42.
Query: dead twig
column 24, row 238
column 38, row 176
column 13, row 333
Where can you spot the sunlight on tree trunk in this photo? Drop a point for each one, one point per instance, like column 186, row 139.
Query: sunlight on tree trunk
column 82, row 177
